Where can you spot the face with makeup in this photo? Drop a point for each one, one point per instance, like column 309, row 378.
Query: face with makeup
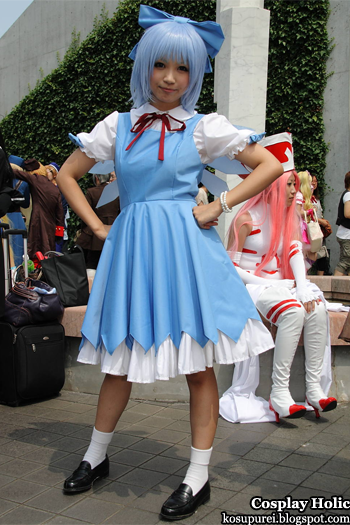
column 290, row 190
column 169, row 81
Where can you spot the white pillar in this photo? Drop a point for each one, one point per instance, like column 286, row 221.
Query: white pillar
column 241, row 72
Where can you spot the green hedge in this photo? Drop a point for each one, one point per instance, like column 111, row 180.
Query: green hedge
column 93, row 80
column 297, row 77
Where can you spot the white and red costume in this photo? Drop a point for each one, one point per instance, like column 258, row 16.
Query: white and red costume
column 281, row 303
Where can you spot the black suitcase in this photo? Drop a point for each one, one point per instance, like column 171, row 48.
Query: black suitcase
column 31, row 362
column 31, row 356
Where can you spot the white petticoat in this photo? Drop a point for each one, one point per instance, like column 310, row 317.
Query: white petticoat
column 146, row 367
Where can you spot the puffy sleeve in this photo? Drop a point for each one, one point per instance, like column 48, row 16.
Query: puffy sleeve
column 215, row 136
column 99, row 144
column 299, row 199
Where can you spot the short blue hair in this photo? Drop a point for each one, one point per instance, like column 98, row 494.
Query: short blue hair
column 169, row 41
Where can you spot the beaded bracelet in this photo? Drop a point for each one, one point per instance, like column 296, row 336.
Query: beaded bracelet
column 223, row 202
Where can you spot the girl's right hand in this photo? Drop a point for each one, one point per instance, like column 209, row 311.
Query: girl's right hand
column 102, row 231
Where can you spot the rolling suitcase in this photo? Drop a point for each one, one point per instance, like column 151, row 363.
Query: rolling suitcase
column 31, row 356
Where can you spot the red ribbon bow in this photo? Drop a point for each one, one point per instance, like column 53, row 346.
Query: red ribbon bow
column 145, row 122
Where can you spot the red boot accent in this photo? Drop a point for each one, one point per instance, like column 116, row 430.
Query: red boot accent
column 326, row 405
column 277, row 417
column 295, row 411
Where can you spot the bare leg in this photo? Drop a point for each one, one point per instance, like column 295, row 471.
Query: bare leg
column 114, row 396
column 337, row 273
column 204, row 407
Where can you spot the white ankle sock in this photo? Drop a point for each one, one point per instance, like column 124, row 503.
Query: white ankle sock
column 96, row 452
column 197, row 473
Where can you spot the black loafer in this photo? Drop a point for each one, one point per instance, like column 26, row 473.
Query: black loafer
column 181, row 504
column 84, row 476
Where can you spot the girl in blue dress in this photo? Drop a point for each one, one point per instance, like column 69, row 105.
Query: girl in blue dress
column 166, row 299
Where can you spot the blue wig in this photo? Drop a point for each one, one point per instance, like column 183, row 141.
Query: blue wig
column 169, row 41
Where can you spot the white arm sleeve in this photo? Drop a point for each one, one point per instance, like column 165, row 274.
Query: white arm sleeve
column 296, row 261
column 99, row 144
column 214, row 136
column 250, row 278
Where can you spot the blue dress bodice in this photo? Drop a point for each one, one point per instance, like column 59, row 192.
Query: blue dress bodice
column 142, row 177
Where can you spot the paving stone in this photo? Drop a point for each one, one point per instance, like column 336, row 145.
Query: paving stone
column 18, row 468
column 318, row 450
column 132, row 417
column 240, row 503
column 5, row 506
column 250, row 468
column 25, row 516
column 170, row 436
column 131, row 457
column 119, row 493
column 229, row 446
column 287, row 474
column 138, row 429
column 53, row 500
column 46, row 455
column 266, row 455
column 21, row 490
column 277, row 443
column 47, row 475
column 151, row 446
column 92, row 510
column 218, row 496
column 17, row 449
column 269, row 489
column 169, row 484
column 223, row 478
column 164, row 464
column 344, row 453
column 327, row 483
column 144, row 478
column 123, row 440
column 300, row 461
column 69, row 444
column 5, row 480
column 145, row 409
column 222, row 460
column 136, row 516
column 335, row 440
column 116, row 470
column 179, row 452
column 337, row 467
column 172, row 413
column 181, row 426
column 158, row 422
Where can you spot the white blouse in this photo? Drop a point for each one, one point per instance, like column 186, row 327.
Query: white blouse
column 214, row 136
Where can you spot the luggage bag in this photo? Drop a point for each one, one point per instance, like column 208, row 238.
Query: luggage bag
column 31, row 362
column 31, row 356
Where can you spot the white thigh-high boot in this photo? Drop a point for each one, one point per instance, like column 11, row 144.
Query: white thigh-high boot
column 282, row 309
column 315, row 338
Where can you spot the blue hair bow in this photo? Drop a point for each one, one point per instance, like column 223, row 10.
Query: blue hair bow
column 210, row 32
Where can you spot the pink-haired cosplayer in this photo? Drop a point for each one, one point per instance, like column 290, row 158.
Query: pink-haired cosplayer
column 264, row 245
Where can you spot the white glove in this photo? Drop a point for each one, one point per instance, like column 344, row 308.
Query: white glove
column 296, row 261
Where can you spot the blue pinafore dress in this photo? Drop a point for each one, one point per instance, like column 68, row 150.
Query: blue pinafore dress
column 166, row 298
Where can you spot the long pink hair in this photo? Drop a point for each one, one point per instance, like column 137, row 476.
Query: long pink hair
column 285, row 222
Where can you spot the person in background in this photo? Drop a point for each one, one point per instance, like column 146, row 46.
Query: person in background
column 321, row 265
column 15, row 218
column 343, row 232
column 47, row 217
column 264, row 245
column 87, row 240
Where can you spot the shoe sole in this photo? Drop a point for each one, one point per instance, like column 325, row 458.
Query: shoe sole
column 184, row 516
column 331, row 406
column 84, row 489
column 296, row 415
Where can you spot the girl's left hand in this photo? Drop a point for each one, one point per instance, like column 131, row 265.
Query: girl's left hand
column 207, row 215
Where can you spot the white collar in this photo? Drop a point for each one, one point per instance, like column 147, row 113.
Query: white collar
column 179, row 112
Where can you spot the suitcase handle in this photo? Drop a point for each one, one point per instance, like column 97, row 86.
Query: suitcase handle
column 4, row 225
column 11, row 231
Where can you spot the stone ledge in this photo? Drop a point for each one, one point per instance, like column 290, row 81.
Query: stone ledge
column 73, row 319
